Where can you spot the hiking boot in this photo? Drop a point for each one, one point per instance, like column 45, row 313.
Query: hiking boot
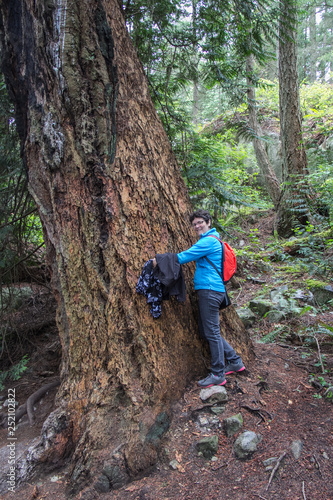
column 234, row 368
column 212, row 380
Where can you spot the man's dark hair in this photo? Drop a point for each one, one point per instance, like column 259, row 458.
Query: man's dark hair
column 204, row 214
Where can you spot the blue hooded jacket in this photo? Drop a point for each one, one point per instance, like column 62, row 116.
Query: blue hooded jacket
column 205, row 277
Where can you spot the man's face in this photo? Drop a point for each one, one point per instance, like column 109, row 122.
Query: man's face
column 200, row 226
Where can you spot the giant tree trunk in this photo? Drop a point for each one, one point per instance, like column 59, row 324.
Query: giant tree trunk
column 110, row 196
column 271, row 181
column 293, row 207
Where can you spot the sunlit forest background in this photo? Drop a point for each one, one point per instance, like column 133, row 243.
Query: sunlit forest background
column 196, row 57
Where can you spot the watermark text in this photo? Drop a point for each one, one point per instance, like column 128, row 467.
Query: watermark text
column 11, row 438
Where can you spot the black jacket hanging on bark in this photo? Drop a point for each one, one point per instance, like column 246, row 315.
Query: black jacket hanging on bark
column 169, row 272
column 161, row 282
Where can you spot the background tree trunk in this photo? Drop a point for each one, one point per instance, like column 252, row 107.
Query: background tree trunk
column 195, row 66
column 110, row 196
column 313, row 56
column 266, row 169
column 293, row 203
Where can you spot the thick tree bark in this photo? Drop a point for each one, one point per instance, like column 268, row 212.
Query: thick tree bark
column 293, row 204
column 110, row 196
column 266, row 169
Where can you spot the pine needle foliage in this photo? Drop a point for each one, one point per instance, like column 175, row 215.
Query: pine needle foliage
column 215, row 173
column 186, row 46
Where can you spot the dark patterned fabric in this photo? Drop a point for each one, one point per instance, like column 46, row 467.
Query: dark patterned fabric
column 149, row 286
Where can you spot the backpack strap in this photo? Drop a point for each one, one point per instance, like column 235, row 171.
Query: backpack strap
column 222, row 258
column 211, row 263
column 226, row 302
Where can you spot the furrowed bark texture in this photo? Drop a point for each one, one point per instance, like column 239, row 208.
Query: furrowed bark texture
column 110, row 196
column 293, row 202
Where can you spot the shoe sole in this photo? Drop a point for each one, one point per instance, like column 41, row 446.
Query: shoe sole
column 235, row 371
column 212, row 385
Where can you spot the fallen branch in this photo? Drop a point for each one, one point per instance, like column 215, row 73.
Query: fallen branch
column 275, row 469
column 288, row 360
column 294, row 246
column 317, row 464
column 319, row 355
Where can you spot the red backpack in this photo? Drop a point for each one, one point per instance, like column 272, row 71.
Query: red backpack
column 228, row 264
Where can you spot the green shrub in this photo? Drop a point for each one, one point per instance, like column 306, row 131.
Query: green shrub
column 15, row 372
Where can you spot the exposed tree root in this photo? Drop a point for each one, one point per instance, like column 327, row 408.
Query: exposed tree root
column 27, row 407
column 258, row 411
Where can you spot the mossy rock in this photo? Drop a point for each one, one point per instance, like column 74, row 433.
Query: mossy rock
column 260, row 307
column 315, row 284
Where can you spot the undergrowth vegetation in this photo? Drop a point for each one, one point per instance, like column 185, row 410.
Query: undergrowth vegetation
column 21, row 235
column 285, row 292
column 21, row 239
column 219, row 164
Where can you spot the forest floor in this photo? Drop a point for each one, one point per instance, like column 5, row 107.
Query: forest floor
column 280, row 396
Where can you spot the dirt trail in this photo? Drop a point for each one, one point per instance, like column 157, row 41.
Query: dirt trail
column 278, row 386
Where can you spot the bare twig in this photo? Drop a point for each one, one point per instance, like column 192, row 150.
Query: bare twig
column 319, row 355
column 303, row 490
column 275, row 469
column 226, row 463
column 318, row 464
column 241, row 289
column 23, row 259
column 13, row 221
